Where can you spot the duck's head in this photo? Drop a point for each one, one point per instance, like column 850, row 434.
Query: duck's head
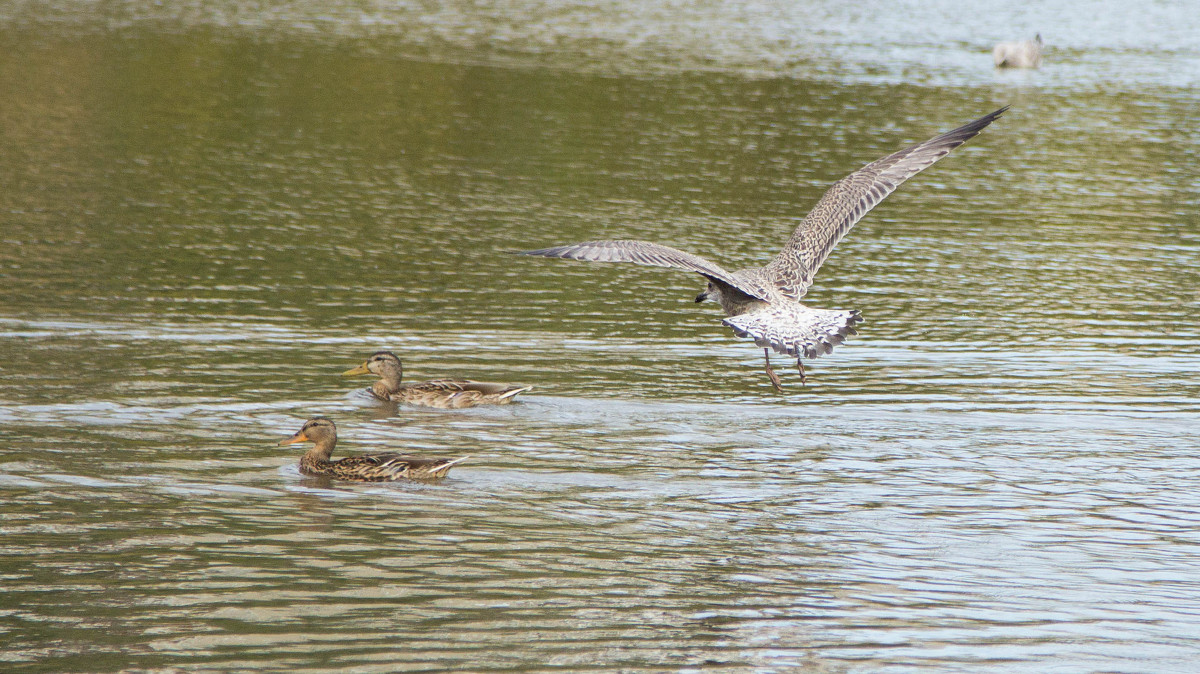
column 382, row 363
column 317, row 430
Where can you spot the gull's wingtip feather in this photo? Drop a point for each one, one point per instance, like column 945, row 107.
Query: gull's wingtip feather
column 996, row 115
column 555, row 251
column 981, row 123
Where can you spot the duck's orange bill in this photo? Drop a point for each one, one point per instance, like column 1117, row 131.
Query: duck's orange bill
column 361, row 369
column 299, row 437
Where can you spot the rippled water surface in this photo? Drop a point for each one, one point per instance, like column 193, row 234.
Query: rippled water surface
column 209, row 210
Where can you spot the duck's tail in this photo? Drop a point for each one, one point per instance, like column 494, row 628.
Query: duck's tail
column 512, row 392
column 441, row 470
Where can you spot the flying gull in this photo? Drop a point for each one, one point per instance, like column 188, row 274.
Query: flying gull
column 763, row 303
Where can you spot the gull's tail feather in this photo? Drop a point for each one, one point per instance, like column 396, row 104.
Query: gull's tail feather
column 796, row 330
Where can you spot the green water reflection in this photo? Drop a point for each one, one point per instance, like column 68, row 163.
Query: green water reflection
column 201, row 227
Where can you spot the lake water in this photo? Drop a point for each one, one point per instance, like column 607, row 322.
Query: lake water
column 209, row 210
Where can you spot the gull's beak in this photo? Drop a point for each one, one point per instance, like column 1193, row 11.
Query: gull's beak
column 702, row 296
column 298, row 437
column 361, row 369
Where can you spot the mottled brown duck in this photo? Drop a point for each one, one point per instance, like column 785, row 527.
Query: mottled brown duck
column 763, row 303
column 364, row 468
column 444, row 393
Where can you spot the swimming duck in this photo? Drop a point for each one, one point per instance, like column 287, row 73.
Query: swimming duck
column 444, row 393
column 365, row 468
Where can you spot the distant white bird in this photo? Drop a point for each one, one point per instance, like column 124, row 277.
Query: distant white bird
column 763, row 303
column 1023, row 54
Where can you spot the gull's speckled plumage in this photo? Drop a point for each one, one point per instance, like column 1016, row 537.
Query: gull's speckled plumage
column 763, row 303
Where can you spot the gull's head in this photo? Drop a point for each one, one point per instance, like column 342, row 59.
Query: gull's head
column 709, row 293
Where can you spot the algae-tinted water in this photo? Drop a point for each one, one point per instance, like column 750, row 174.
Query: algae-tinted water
column 210, row 210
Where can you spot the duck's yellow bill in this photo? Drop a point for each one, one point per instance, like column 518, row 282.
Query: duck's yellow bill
column 299, row 437
column 361, row 369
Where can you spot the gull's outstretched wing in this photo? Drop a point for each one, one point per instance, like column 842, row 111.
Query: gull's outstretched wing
column 849, row 200
column 650, row 254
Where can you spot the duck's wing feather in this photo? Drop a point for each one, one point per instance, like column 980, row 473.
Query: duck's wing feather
column 421, row 464
column 450, row 386
column 387, row 460
column 652, row 255
column 849, row 199
column 397, row 459
column 392, row 464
